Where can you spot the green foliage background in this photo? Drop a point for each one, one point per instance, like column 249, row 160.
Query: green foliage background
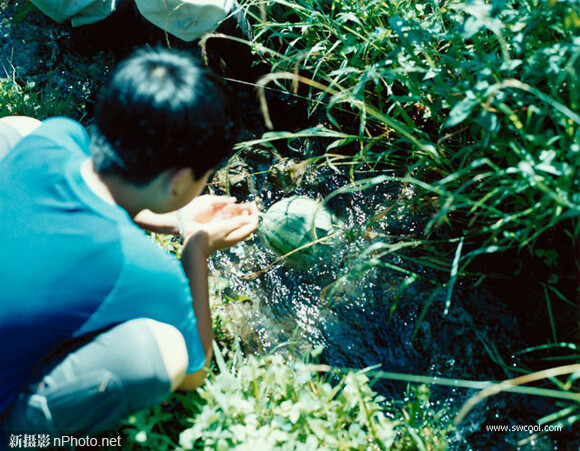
column 476, row 102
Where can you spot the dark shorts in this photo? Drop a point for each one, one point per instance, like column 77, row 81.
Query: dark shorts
column 94, row 386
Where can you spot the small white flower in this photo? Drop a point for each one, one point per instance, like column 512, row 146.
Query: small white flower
column 141, row 437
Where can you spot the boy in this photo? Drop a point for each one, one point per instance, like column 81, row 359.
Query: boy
column 95, row 319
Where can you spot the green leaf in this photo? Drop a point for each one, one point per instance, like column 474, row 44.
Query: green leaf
column 461, row 111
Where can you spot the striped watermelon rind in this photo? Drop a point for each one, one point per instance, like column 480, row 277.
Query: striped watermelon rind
column 294, row 222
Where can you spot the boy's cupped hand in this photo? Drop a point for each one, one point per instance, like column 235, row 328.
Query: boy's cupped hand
column 218, row 222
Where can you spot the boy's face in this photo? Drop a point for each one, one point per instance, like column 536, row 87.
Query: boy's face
column 199, row 185
column 173, row 190
column 193, row 188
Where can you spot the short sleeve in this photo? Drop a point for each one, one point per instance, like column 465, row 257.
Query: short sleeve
column 64, row 132
column 151, row 284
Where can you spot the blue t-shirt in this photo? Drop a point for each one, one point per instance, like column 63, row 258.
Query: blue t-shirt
column 70, row 263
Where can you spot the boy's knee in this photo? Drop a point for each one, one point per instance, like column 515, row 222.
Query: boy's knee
column 12, row 129
column 22, row 124
column 148, row 357
column 172, row 348
column 8, row 138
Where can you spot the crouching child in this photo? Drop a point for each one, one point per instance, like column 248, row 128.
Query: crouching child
column 96, row 320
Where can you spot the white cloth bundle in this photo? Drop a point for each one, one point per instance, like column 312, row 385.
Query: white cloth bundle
column 185, row 19
column 80, row 12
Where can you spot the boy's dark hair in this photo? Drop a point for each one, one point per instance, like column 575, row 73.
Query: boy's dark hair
column 161, row 110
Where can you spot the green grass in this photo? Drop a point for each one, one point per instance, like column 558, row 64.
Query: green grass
column 474, row 104
column 268, row 403
column 19, row 98
column 477, row 104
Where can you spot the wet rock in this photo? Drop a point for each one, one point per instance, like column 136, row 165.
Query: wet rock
column 286, row 174
column 36, row 52
column 235, row 179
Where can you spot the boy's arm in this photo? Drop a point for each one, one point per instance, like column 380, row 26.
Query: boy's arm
column 205, row 239
column 194, row 261
column 157, row 223
column 200, row 209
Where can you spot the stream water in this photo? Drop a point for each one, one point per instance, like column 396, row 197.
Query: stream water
column 364, row 314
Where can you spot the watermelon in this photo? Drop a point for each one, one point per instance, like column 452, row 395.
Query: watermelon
column 293, row 222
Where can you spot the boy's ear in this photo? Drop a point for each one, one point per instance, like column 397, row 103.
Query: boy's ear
column 179, row 182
